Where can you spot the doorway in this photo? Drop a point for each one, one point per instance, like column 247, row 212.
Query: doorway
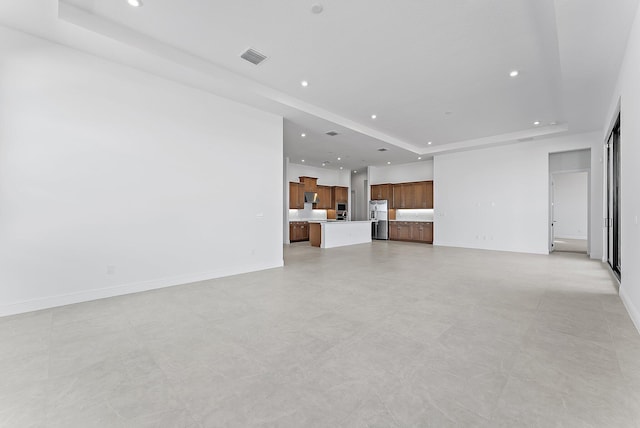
column 570, row 201
column 612, row 222
column 570, row 211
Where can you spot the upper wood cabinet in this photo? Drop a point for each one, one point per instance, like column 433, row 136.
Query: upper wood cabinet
column 423, row 194
column 296, row 195
column 328, row 196
column 412, row 195
column 310, row 184
column 382, row 192
column 339, row 195
column 429, row 194
column 324, row 196
column 403, row 195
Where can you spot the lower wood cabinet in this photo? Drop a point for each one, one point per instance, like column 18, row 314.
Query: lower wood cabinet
column 298, row 231
column 413, row 231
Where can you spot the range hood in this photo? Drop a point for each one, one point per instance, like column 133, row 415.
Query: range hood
column 311, row 197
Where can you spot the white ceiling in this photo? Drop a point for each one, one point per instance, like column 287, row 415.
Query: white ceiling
column 409, row 62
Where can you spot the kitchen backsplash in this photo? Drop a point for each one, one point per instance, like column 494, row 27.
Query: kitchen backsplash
column 414, row 215
column 307, row 214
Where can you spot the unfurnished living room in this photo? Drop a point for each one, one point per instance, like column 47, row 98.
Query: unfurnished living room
column 319, row 213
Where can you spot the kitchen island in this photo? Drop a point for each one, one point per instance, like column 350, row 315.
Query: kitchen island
column 330, row 234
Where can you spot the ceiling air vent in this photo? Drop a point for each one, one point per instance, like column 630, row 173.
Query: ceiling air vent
column 254, row 57
column 382, row 150
column 332, row 133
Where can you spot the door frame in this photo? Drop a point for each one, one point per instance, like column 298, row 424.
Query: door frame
column 612, row 232
column 551, row 197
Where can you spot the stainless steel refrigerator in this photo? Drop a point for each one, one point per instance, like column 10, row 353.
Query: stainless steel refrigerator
column 379, row 219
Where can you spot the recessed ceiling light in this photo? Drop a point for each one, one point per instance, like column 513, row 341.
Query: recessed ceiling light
column 373, row 116
column 302, row 160
column 537, row 122
column 303, row 135
column 135, row 3
column 355, row 172
column 419, row 157
column 389, row 163
column 514, row 73
column 341, row 167
column 339, row 158
column 429, row 143
column 304, row 83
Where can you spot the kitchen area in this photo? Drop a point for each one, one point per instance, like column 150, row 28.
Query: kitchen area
column 319, row 213
column 402, row 211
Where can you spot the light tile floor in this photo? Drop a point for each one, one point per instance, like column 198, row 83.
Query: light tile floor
column 386, row 334
column 570, row 245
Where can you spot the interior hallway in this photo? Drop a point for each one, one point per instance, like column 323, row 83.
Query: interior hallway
column 382, row 334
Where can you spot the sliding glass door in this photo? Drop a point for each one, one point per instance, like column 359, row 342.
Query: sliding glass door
column 613, row 200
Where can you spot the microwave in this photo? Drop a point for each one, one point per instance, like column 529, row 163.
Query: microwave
column 341, row 206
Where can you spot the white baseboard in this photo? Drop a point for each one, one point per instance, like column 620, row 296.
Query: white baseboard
column 119, row 290
column 631, row 308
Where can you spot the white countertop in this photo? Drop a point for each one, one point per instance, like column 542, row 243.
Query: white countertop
column 414, row 221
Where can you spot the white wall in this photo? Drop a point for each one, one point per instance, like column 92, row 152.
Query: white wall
column 498, row 198
column 107, row 169
column 570, row 204
column 628, row 94
column 416, row 171
column 325, row 176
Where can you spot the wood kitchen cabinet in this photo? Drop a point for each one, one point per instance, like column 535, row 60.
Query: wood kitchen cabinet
column 393, row 231
column 404, row 231
column 296, row 196
column 339, row 195
column 399, row 231
column 412, row 231
column 310, row 184
column 404, row 195
column 397, row 196
column 423, row 194
column 412, row 195
column 382, row 192
column 298, row 231
column 422, row 231
column 324, row 197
